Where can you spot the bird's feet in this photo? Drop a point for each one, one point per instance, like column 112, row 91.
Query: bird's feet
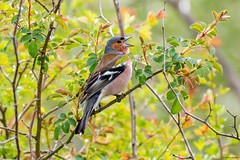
column 119, row 97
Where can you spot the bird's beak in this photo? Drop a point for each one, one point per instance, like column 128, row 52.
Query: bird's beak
column 126, row 44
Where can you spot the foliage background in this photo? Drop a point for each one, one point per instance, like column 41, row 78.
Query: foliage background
column 112, row 135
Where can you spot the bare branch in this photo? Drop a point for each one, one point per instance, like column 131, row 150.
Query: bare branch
column 41, row 4
column 15, row 46
column 4, row 119
column 133, row 124
column 181, row 157
column 46, row 157
column 234, row 123
column 177, row 121
column 102, row 16
column 8, row 140
column 12, row 130
column 116, row 4
column 5, row 74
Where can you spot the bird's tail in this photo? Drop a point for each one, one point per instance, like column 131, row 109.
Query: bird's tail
column 90, row 103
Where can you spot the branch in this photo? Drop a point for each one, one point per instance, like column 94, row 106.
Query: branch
column 41, row 4
column 234, row 123
column 105, row 19
column 4, row 119
column 116, row 4
column 5, row 74
column 15, row 46
column 40, row 82
column 133, row 124
column 46, row 157
column 12, row 130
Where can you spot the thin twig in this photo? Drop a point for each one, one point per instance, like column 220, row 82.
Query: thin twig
column 181, row 157
column 8, row 140
column 30, row 135
column 165, row 150
column 33, row 68
column 133, row 126
column 59, row 147
column 5, row 74
column 105, row 19
column 116, row 4
column 15, row 46
column 21, row 73
column 12, row 130
column 234, row 123
column 4, row 119
column 41, row 4
column 177, row 121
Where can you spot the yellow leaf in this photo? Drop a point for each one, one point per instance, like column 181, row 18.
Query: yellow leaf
column 223, row 90
column 4, row 59
column 61, row 22
column 145, row 32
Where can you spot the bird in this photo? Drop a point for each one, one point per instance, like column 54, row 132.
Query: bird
column 106, row 79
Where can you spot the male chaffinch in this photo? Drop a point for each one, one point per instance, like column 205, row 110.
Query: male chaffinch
column 106, row 79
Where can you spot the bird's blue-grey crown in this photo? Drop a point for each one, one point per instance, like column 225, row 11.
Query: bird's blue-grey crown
column 109, row 49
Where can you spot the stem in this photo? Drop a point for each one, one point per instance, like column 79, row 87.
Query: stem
column 14, row 87
column 116, row 4
column 133, row 124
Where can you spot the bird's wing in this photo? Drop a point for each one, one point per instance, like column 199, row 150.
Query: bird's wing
column 97, row 81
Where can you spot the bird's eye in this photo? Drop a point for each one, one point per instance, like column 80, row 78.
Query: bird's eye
column 118, row 41
column 122, row 38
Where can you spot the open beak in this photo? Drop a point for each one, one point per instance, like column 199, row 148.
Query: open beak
column 126, row 44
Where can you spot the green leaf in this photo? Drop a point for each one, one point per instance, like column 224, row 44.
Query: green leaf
column 37, row 31
column 91, row 69
column 54, row 95
column 138, row 73
column 25, row 38
column 184, row 94
column 148, row 70
column 159, row 59
column 38, row 37
column 218, row 67
column 72, row 122
column 63, row 115
column 45, row 67
column 66, row 127
column 201, row 72
column 142, row 79
column 25, row 30
column 57, row 131
column 170, row 95
column 58, row 121
column 32, row 49
column 176, row 107
column 198, row 26
column 91, row 61
column 62, row 103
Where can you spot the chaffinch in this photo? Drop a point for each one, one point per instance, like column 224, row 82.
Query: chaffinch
column 106, row 79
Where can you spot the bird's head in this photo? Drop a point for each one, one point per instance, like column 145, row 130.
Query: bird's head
column 118, row 45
